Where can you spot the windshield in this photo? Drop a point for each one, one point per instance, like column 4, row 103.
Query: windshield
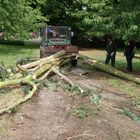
column 58, row 32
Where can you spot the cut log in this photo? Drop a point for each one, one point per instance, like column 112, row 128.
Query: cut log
column 63, row 77
column 20, row 67
column 43, row 60
column 109, row 69
column 56, row 71
column 37, row 70
column 43, row 69
column 14, row 82
column 137, row 56
column 46, row 74
column 49, row 71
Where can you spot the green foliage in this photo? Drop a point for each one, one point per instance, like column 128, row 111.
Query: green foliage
column 136, row 102
column 25, row 73
column 98, row 17
column 71, row 88
column 81, row 112
column 18, row 19
column 92, row 17
column 26, row 89
column 14, row 110
column 66, row 68
column 49, row 84
column 132, row 115
column 75, row 89
column 56, row 11
column 3, row 72
column 95, row 97
column 84, row 111
column 13, row 69
column 43, row 84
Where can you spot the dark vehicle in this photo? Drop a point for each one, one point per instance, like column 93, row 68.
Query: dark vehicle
column 55, row 39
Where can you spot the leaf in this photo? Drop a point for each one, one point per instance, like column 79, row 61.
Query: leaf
column 95, row 99
column 132, row 115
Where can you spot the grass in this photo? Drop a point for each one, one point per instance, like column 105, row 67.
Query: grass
column 9, row 54
column 2, row 125
column 10, row 97
column 120, row 58
column 84, row 111
column 129, row 88
column 132, row 115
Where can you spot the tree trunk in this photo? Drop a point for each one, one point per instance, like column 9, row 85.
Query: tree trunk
column 44, row 60
column 40, row 68
column 109, row 69
column 63, row 77
column 23, row 99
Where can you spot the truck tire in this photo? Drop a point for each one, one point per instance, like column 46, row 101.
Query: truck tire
column 41, row 54
column 74, row 62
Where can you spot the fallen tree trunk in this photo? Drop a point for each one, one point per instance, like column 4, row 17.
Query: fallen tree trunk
column 46, row 74
column 44, row 60
column 14, row 82
column 56, row 71
column 40, row 68
column 43, row 69
column 63, row 77
column 137, row 56
column 109, row 69
column 21, row 100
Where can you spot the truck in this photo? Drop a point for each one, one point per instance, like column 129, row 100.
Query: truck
column 55, row 39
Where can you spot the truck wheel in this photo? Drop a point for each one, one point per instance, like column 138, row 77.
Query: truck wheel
column 74, row 62
column 41, row 54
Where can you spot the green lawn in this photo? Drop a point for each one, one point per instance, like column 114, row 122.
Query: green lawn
column 100, row 54
column 9, row 54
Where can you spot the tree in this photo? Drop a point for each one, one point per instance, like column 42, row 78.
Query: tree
column 56, row 11
column 121, row 18
column 18, row 18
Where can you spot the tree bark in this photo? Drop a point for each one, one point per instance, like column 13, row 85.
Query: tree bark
column 40, row 68
column 21, row 100
column 109, row 69
column 44, row 60
column 56, row 71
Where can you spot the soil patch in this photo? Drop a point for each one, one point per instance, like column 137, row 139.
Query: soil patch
column 61, row 115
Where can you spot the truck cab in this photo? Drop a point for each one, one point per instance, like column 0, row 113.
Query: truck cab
column 55, row 39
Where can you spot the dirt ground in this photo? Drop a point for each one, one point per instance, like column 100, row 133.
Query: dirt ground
column 54, row 114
